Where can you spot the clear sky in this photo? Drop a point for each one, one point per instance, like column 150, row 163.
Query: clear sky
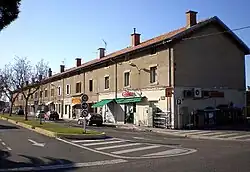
column 61, row 30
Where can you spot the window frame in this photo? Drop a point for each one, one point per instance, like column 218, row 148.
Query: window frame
column 153, row 70
column 59, row 91
column 106, row 82
column 68, row 89
column 80, row 87
column 91, row 85
column 126, row 81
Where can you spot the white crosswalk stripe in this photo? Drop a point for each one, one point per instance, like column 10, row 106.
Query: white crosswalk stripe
column 123, row 147
column 211, row 134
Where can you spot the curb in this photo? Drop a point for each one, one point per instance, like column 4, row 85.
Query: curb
column 178, row 135
column 54, row 134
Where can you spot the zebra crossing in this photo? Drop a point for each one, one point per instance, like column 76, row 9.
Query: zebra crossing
column 130, row 149
column 212, row 134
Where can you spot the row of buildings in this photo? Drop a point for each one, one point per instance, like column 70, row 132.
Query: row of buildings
column 201, row 64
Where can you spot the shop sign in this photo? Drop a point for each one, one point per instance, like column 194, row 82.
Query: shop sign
column 76, row 100
column 128, row 94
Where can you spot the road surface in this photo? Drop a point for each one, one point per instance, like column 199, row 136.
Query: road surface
column 123, row 151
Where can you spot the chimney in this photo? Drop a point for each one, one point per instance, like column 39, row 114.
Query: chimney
column 50, row 72
column 135, row 38
column 62, row 67
column 191, row 18
column 78, row 62
column 40, row 77
column 101, row 52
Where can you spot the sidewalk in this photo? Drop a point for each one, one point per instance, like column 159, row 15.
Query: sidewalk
column 228, row 135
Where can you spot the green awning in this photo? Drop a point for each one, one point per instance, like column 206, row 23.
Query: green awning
column 102, row 103
column 128, row 100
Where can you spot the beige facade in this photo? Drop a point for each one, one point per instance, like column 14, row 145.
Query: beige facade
column 205, row 63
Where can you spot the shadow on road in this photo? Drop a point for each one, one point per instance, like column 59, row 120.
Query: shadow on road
column 6, row 127
column 6, row 163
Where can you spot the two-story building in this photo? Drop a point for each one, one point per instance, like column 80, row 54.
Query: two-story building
column 201, row 64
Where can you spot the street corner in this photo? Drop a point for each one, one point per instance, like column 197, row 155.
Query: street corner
column 129, row 149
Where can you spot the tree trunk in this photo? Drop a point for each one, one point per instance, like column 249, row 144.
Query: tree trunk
column 26, row 110
column 11, row 107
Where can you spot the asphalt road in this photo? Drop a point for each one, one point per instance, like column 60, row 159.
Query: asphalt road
column 123, row 151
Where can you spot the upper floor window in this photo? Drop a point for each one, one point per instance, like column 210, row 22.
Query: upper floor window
column 126, row 79
column 106, row 82
column 36, row 95
column 59, row 91
column 41, row 94
column 52, row 92
column 153, row 74
column 90, row 85
column 31, row 96
column 68, row 89
column 78, row 87
column 46, row 93
column 21, row 97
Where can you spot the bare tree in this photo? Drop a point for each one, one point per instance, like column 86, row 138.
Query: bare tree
column 28, row 78
column 8, row 85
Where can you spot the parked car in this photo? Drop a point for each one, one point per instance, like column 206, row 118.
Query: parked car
column 51, row 115
column 40, row 113
column 92, row 118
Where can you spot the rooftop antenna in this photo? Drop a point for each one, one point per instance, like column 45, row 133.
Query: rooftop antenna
column 105, row 43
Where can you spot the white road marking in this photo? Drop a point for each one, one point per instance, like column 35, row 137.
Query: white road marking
column 103, row 143
column 212, row 134
column 118, row 146
column 240, row 136
column 199, row 132
column 66, row 166
column 140, row 138
column 135, row 149
column 9, row 148
column 185, row 131
column 36, row 143
column 87, row 141
column 3, row 143
column 227, row 134
column 190, row 151
column 167, row 152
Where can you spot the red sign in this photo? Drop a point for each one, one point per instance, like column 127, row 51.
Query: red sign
column 128, row 94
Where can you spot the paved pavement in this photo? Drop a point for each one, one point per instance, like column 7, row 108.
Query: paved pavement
column 198, row 134
column 123, row 151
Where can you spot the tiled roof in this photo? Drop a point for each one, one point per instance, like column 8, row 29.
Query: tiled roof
column 170, row 35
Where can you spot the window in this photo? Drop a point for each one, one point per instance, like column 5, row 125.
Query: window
column 36, row 95
column 52, row 92
column 31, row 97
column 126, row 79
column 78, row 87
column 66, row 110
column 67, row 89
column 153, row 74
column 41, row 94
column 91, row 85
column 106, row 82
column 46, row 93
column 21, row 97
column 59, row 91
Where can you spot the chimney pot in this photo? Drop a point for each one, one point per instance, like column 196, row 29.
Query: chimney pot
column 135, row 38
column 101, row 52
column 62, row 67
column 78, row 62
column 191, row 18
column 50, row 72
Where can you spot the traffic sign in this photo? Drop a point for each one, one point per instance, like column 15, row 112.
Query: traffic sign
column 85, row 105
column 179, row 101
column 84, row 113
column 85, row 98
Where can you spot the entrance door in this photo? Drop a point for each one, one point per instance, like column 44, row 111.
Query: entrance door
column 129, row 110
column 69, row 111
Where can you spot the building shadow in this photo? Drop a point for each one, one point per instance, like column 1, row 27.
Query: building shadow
column 6, row 127
column 6, row 163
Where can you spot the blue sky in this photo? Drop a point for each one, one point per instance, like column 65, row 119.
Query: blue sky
column 61, row 30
